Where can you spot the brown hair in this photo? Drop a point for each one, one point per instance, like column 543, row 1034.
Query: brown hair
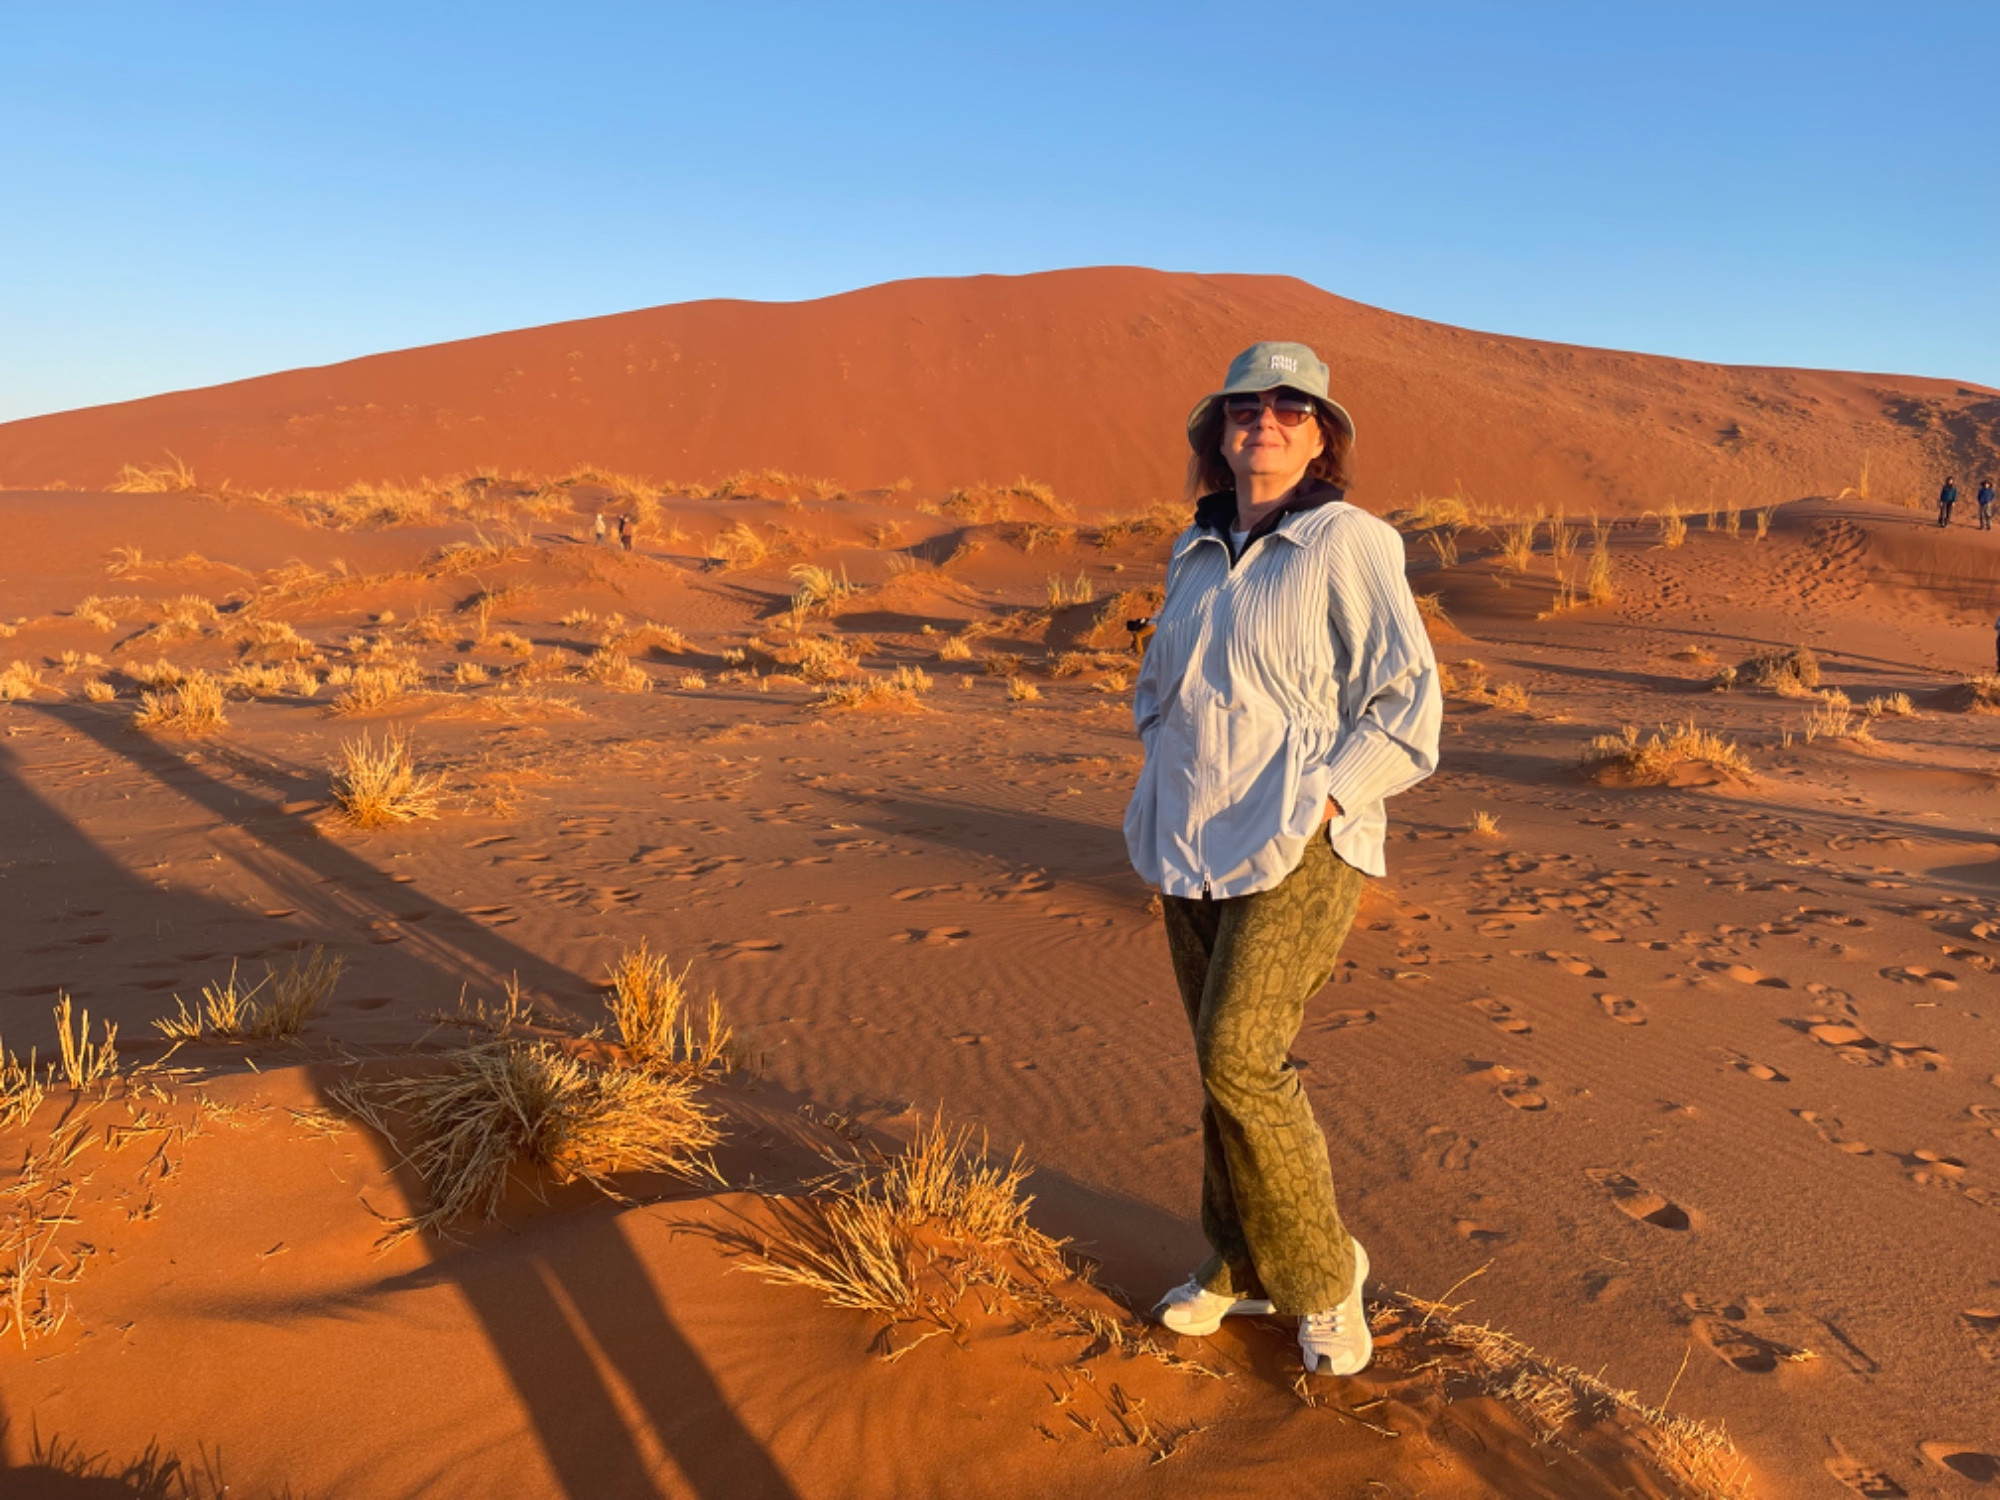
column 1208, row 472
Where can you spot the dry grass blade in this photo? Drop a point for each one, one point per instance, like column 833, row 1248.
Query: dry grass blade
column 378, row 785
column 503, row 1103
column 1517, row 542
column 23, row 1087
column 156, row 479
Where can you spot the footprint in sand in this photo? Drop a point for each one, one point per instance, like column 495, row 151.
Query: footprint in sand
column 1569, row 963
column 1830, row 918
column 1984, row 1323
column 1478, row 1233
column 1341, row 1019
column 1964, row 1460
column 937, row 937
column 745, row 948
column 1520, row 1090
column 1930, row 979
column 1987, row 1115
column 1620, row 1008
column 1639, row 1203
column 1719, row 1329
column 1744, row 974
column 1762, row 1072
column 1454, row 1151
column 1501, row 1014
column 1863, row 1479
column 1972, row 958
column 969, row 1038
column 1830, row 1131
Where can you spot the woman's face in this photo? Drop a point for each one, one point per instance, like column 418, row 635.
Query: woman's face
column 1261, row 444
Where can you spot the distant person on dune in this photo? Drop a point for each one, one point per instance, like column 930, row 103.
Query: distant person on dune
column 1288, row 690
column 1947, row 498
column 625, row 532
column 1986, row 505
column 600, row 528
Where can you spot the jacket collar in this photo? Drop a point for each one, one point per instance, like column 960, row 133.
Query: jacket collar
column 1217, row 512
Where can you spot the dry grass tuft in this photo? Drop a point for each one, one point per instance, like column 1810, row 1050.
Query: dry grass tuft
column 1064, row 592
column 1895, row 705
column 650, row 638
column 1517, row 542
column 692, row 682
column 233, row 1013
column 1790, row 673
column 21, row 680
column 819, row 589
column 194, row 707
column 656, row 1024
column 1020, row 690
column 97, row 690
column 1484, row 825
column 1764, row 521
column 1673, row 527
column 1832, row 718
column 158, row 479
column 1654, row 761
column 376, row 687
column 1430, row 609
column 955, row 648
column 614, row 669
column 901, row 691
column 738, row 547
column 1980, row 694
column 505, row 1102
column 907, row 1237
column 23, row 1087
column 104, row 614
column 80, row 1062
column 379, row 786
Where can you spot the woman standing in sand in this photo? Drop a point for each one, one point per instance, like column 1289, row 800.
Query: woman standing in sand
column 1289, row 688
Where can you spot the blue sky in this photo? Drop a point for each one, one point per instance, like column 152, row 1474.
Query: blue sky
column 195, row 193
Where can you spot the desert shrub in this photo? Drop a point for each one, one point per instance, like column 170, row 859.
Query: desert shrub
column 1063, row 592
column 955, row 648
column 1512, row 695
column 228, row 1011
column 194, row 707
column 818, row 588
column 1655, row 759
column 651, row 637
column 738, row 547
column 1981, row 694
column 825, row 658
column 97, row 690
column 469, row 674
column 692, row 682
column 1792, row 673
column 1020, row 690
column 491, row 1106
column 377, row 785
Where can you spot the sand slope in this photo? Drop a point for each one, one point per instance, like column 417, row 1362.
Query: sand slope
column 1078, row 378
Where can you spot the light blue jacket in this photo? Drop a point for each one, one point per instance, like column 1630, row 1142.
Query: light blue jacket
column 1300, row 672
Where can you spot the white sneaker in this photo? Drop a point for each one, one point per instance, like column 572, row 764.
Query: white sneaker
column 1191, row 1309
column 1339, row 1342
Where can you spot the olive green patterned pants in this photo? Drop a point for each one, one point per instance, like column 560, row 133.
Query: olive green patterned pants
column 1246, row 967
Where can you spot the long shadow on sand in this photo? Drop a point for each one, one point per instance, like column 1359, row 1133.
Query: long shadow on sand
column 541, row 1325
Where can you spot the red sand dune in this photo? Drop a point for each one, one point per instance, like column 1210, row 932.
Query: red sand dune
column 1080, row 378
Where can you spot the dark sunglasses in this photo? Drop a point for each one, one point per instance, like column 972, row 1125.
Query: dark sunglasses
column 1290, row 410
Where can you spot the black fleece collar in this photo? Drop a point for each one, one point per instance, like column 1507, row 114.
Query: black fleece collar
column 1217, row 512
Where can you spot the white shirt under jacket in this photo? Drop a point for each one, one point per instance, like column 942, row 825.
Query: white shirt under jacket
column 1302, row 672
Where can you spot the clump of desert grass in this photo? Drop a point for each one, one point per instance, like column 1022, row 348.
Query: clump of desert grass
column 1431, row 610
column 259, row 679
column 901, row 691
column 272, row 640
column 1032, row 536
column 1673, row 526
column 104, row 614
column 1517, row 542
column 825, row 658
column 21, row 680
column 1764, row 521
column 955, row 648
column 1979, row 694
column 195, row 707
column 377, row 784
column 1654, row 760
column 97, row 690
column 276, row 1007
column 737, row 546
column 1789, row 672
column 980, row 503
column 819, row 589
column 614, row 669
column 374, row 687
column 23, row 1087
column 1483, row 825
column 1064, row 592
column 692, row 682
column 1892, row 705
column 908, row 1235
column 505, row 1104
column 168, row 478
column 650, row 638
column 1833, row 718
column 657, row 1021
column 81, row 1062
column 1550, row 1397
column 1020, row 690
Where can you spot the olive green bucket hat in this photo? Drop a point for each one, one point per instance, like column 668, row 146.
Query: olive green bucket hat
column 1266, row 366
